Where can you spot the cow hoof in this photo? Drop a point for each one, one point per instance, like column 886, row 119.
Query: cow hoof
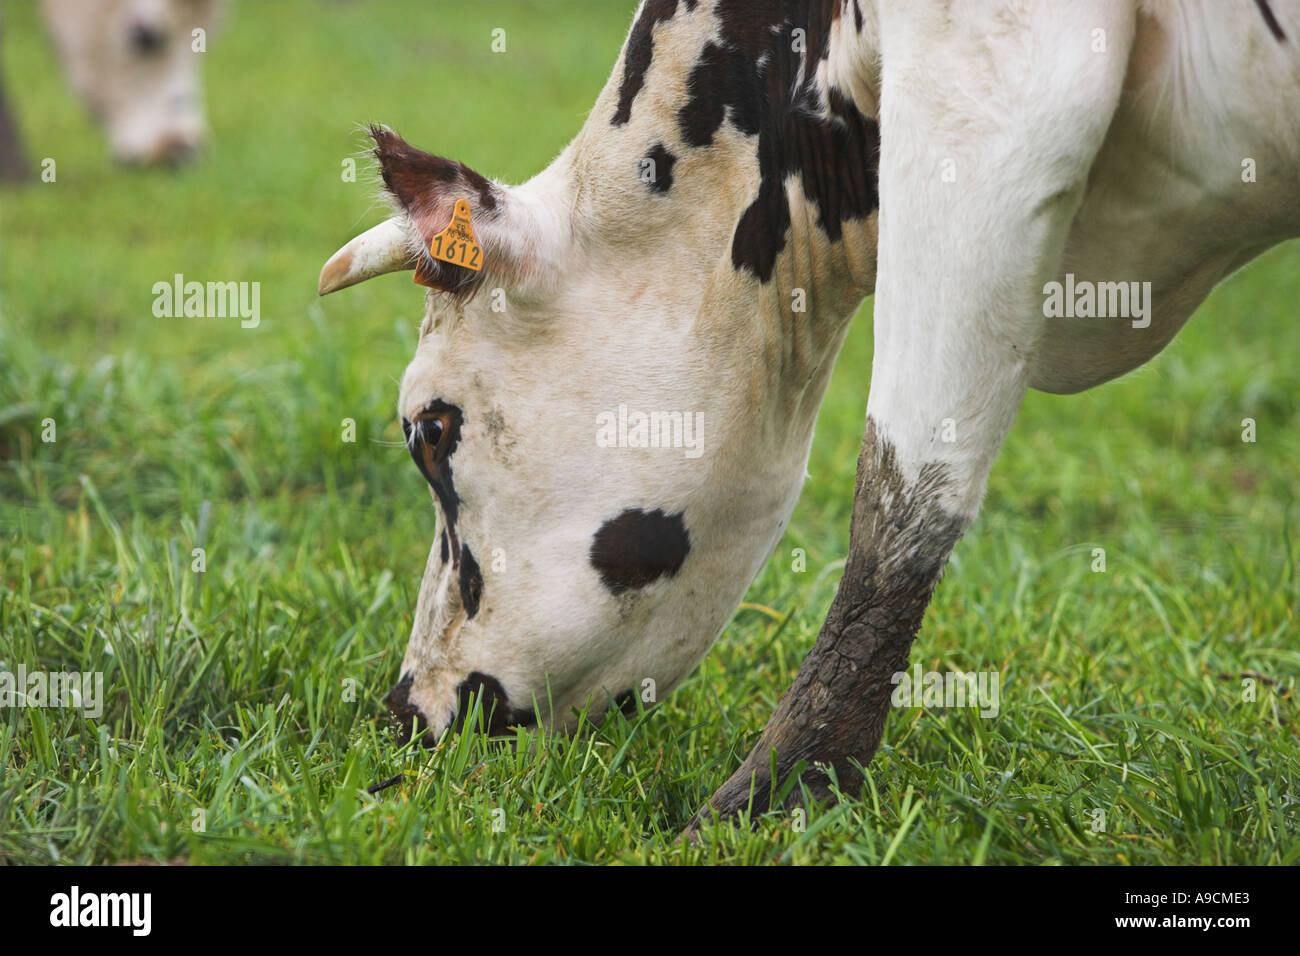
column 736, row 796
column 750, row 790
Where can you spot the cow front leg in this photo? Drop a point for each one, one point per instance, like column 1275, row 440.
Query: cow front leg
column 981, row 173
column 901, row 534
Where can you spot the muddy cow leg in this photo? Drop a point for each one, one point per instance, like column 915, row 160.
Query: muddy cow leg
column 981, row 173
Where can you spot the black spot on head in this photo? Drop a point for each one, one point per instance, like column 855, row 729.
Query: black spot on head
column 661, row 168
column 471, row 582
column 432, row 440
column 638, row 547
column 498, row 716
column 406, row 715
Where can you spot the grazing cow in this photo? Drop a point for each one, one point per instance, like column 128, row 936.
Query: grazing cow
column 135, row 65
column 752, row 170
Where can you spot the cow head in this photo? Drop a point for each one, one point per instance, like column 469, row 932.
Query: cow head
column 133, row 62
column 614, row 413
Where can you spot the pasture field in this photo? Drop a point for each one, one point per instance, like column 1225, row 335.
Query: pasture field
column 243, row 709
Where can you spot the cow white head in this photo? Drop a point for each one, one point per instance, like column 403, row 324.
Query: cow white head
column 614, row 413
column 134, row 64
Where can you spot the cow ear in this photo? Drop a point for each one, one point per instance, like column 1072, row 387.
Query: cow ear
column 470, row 231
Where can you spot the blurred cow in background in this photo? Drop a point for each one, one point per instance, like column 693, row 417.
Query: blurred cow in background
column 136, row 65
column 13, row 166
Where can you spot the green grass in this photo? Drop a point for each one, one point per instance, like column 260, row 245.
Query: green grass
column 225, row 692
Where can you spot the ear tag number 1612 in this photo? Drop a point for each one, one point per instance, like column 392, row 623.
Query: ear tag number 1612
column 456, row 244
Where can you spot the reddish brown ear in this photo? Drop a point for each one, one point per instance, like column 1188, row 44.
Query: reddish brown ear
column 427, row 188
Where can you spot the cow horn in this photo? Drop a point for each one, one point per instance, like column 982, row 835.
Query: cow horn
column 385, row 248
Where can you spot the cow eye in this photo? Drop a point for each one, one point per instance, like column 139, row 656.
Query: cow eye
column 433, row 436
column 431, row 432
column 425, row 431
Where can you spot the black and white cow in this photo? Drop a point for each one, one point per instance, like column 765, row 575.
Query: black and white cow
column 954, row 158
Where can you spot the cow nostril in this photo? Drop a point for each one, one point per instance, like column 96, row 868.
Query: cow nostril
column 146, row 38
column 406, row 715
column 174, row 149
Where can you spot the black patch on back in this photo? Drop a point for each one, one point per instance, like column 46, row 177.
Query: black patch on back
column 638, row 547
column 498, row 716
column 442, row 546
column 471, row 582
column 747, row 77
column 405, row 714
column 1267, row 13
column 639, row 51
column 663, row 162
column 750, row 83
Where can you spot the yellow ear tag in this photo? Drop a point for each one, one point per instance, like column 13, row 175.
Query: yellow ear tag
column 456, row 244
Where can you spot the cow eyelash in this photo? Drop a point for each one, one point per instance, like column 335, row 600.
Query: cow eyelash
column 425, row 431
